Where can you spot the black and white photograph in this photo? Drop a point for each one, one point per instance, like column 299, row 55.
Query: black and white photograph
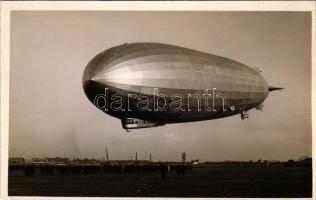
column 136, row 103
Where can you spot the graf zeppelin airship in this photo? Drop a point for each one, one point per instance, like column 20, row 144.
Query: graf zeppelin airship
column 152, row 84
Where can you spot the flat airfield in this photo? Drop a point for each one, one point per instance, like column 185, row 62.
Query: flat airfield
column 201, row 181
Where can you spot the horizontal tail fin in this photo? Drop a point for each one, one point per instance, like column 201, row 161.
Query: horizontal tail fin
column 275, row 88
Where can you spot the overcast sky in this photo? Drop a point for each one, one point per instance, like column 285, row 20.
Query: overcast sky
column 51, row 116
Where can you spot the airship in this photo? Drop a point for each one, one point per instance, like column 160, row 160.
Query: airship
column 152, row 84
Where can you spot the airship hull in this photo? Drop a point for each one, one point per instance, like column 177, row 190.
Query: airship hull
column 153, row 76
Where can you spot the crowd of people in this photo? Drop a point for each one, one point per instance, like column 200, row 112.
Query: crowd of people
column 53, row 169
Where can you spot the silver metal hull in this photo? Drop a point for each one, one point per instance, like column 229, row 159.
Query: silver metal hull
column 153, row 70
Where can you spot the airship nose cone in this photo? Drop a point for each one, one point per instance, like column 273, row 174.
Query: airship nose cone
column 91, row 70
column 86, row 81
column 91, row 86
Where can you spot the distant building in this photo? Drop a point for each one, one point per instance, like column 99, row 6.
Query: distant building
column 39, row 160
column 196, row 162
column 87, row 161
column 16, row 160
column 57, row 160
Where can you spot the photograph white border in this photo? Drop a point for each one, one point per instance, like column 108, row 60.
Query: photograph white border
column 7, row 7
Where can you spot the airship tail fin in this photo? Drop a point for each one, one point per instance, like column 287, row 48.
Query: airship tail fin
column 275, row 88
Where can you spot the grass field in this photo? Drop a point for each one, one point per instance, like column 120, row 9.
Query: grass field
column 200, row 182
